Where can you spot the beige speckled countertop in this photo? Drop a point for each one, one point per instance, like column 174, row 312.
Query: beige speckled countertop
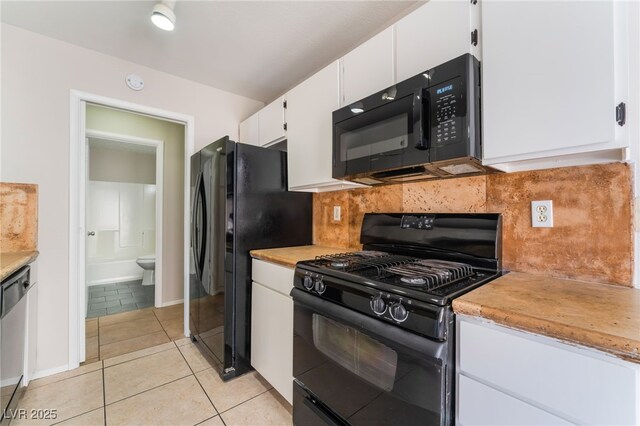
column 289, row 256
column 599, row 316
column 12, row 261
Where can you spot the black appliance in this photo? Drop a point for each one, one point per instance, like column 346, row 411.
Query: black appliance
column 239, row 202
column 13, row 318
column 374, row 331
column 425, row 127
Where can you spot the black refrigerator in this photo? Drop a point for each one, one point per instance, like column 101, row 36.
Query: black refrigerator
column 239, row 202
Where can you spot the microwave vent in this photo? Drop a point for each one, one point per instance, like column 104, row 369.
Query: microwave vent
column 367, row 181
column 461, row 169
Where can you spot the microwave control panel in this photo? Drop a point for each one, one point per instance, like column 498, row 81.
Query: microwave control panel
column 448, row 111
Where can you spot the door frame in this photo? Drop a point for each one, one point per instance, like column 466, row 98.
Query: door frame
column 77, row 190
column 158, row 145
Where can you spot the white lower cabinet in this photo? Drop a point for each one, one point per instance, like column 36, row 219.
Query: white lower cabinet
column 272, row 325
column 484, row 405
column 511, row 377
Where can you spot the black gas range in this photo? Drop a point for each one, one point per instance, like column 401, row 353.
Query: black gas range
column 374, row 329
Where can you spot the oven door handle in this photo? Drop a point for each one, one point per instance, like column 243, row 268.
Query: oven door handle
column 389, row 334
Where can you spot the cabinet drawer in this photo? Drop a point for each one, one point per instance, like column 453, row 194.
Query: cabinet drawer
column 276, row 277
column 587, row 387
column 479, row 404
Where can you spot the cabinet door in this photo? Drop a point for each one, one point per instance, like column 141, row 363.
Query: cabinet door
column 479, row 404
column 368, row 68
column 272, row 338
column 271, row 122
column 310, row 128
column 248, row 132
column 549, row 78
column 572, row 382
column 433, row 34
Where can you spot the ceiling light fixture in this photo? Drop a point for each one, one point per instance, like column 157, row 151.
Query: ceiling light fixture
column 163, row 16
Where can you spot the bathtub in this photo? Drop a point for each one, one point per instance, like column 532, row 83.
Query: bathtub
column 106, row 270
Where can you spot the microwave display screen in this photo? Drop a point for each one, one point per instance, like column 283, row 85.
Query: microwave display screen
column 376, row 138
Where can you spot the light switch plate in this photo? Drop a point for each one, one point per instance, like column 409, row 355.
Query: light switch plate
column 336, row 213
column 542, row 214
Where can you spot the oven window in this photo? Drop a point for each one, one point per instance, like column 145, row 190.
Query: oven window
column 376, row 138
column 367, row 358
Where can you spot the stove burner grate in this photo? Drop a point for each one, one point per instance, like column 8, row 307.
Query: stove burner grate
column 401, row 270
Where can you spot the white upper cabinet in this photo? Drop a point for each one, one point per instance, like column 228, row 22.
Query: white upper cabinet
column 271, row 120
column 435, row 33
column 310, row 131
column 249, row 130
column 552, row 76
column 368, row 68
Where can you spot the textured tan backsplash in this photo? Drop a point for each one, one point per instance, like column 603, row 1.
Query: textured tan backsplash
column 592, row 234
column 18, row 217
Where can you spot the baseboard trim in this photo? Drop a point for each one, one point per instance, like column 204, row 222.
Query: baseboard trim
column 49, row 372
column 115, row 280
column 171, row 303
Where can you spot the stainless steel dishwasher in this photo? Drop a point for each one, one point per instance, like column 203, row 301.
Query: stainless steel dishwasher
column 13, row 317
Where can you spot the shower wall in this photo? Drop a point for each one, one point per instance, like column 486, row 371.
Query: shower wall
column 122, row 218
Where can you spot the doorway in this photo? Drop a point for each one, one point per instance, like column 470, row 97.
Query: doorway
column 141, row 212
column 124, row 216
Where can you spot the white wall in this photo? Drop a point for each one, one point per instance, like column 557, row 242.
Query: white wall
column 37, row 75
column 119, row 165
column 123, row 218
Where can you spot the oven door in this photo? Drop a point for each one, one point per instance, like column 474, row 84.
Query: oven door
column 353, row 369
column 384, row 136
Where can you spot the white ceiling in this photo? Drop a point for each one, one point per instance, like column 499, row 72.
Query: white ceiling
column 258, row 49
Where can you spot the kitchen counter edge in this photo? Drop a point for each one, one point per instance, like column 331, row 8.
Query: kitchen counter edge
column 12, row 261
column 598, row 316
column 289, row 256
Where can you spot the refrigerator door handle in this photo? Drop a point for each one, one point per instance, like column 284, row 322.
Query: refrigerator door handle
column 194, row 233
column 203, row 238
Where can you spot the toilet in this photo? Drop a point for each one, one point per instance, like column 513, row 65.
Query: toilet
column 148, row 263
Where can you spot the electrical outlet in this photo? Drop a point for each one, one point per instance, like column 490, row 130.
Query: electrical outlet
column 542, row 214
column 336, row 213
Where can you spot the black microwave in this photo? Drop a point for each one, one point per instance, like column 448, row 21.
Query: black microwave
column 425, row 127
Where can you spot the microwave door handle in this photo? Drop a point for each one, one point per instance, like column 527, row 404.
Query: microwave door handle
column 421, row 116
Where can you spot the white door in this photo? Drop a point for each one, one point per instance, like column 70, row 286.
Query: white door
column 310, row 128
column 368, row 68
column 248, row 131
column 271, row 122
column 549, row 77
column 435, row 33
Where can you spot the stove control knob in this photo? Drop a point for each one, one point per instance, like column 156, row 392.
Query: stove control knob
column 320, row 286
column 398, row 312
column 378, row 306
column 308, row 282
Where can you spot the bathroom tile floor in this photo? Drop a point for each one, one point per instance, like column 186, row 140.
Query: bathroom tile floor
column 173, row 383
column 107, row 299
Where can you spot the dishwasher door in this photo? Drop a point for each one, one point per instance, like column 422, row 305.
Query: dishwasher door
column 13, row 316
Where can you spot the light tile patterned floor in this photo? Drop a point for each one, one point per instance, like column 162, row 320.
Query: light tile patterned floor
column 174, row 383
column 118, row 334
